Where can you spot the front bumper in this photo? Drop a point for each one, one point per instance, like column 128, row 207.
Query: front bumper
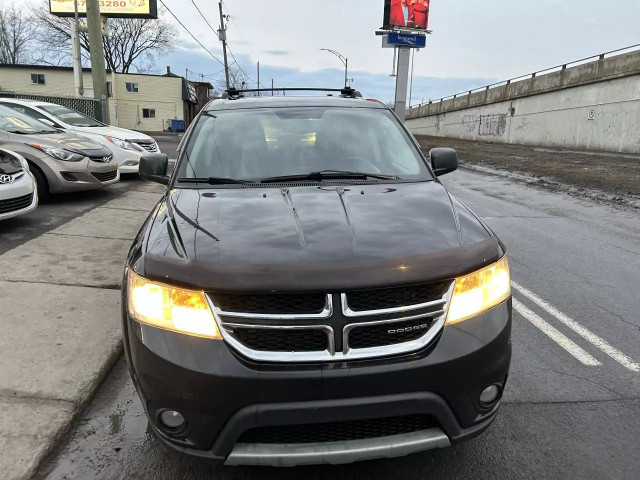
column 77, row 176
column 223, row 395
column 22, row 187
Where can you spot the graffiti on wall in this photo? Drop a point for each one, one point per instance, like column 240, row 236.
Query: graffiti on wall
column 493, row 125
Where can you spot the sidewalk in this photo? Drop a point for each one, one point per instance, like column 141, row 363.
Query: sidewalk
column 606, row 176
column 60, row 319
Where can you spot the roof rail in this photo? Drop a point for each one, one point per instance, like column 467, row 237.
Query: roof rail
column 234, row 93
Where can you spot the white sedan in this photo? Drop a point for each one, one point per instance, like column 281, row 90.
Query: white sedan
column 18, row 192
column 127, row 145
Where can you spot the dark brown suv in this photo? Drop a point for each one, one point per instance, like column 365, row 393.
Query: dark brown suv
column 307, row 291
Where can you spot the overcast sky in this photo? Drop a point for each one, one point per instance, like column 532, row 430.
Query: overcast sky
column 473, row 41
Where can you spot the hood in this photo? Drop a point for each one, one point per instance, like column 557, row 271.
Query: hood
column 9, row 163
column 116, row 132
column 68, row 141
column 313, row 238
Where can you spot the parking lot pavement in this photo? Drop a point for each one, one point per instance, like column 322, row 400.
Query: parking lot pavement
column 60, row 273
column 572, row 404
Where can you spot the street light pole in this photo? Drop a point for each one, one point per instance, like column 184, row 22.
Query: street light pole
column 345, row 62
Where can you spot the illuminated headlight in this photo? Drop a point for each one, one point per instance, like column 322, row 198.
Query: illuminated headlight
column 170, row 308
column 58, row 153
column 479, row 291
column 123, row 144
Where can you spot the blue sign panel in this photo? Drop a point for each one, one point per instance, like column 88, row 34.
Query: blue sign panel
column 407, row 40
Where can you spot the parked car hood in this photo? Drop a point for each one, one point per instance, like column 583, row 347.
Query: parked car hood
column 68, row 141
column 9, row 163
column 314, row 238
column 116, row 132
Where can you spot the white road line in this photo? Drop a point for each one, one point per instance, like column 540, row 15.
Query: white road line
column 569, row 345
column 591, row 337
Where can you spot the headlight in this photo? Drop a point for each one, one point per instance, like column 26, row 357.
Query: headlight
column 58, row 153
column 170, row 308
column 123, row 144
column 479, row 291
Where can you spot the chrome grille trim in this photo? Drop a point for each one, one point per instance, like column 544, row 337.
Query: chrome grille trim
column 325, row 313
column 330, row 355
column 347, row 312
column 327, row 354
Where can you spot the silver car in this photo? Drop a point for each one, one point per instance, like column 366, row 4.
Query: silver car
column 18, row 192
column 60, row 162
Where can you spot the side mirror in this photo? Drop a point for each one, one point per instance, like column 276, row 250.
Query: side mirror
column 48, row 122
column 154, row 168
column 443, row 160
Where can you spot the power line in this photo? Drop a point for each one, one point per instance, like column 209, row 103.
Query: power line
column 192, row 35
column 218, row 37
column 243, row 37
column 205, row 19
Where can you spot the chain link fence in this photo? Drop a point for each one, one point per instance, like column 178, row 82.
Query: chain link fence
column 89, row 106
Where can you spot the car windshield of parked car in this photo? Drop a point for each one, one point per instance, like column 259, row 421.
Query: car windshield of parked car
column 254, row 144
column 71, row 117
column 13, row 121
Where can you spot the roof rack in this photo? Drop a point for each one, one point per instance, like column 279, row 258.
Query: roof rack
column 234, row 93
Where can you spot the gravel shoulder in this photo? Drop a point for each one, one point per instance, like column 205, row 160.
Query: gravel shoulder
column 605, row 177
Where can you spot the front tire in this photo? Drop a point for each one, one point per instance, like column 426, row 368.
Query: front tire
column 41, row 182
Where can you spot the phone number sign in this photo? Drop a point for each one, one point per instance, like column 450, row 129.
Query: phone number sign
column 108, row 8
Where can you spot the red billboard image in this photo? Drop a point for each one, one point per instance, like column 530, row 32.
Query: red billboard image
column 406, row 13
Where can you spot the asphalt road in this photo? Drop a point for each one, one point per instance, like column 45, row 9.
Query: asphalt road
column 572, row 404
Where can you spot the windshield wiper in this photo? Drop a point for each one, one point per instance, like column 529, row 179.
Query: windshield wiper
column 329, row 175
column 214, row 180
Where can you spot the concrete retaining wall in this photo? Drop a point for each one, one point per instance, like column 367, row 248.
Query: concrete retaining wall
column 592, row 106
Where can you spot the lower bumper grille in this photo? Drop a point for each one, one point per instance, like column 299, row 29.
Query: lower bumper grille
column 15, row 204
column 339, row 431
column 105, row 177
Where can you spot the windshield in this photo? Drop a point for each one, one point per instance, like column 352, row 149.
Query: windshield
column 13, row 121
column 70, row 117
column 255, row 144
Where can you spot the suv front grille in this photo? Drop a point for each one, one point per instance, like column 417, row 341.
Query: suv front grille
column 15, row 204
column 305, row 327
column 360, row 300
column 283, row 340
column 105, row 177
column 339, row 431
column 270, row 303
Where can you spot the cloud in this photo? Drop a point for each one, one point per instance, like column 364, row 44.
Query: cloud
column 277, row 52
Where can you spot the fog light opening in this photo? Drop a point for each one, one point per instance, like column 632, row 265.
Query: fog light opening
column 490, row 395
column 172, row 420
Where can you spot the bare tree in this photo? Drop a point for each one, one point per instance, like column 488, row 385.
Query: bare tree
column 16, row 32
column 133, row 44
column 237, row 79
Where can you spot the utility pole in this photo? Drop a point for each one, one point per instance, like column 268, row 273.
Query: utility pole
column 98, row 72
column 77, row 56
column 272, row 87
column 222, row 35
column 258, row 77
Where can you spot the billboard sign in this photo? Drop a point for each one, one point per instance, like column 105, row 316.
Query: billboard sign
column 412, row 14
column 407, row 40
column 108, row 8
